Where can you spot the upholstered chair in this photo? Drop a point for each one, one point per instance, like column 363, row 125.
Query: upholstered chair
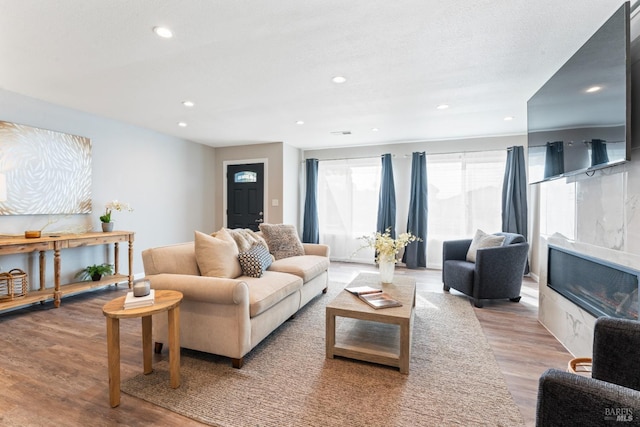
column 611, row 396
column 485, row 267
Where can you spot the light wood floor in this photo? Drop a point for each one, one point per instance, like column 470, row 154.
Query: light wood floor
column 53, row 364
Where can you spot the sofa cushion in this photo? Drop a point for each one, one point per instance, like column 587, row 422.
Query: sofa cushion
column 306, row 267
column 254, row 261
column 217, row 256
column 482, row 240
column 270, row 289
column 246, row 238
column 282, row 239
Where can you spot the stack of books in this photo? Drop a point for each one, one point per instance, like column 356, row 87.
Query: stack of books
column 136, row 302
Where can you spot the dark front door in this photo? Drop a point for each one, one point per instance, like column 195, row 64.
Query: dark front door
column 245, row 195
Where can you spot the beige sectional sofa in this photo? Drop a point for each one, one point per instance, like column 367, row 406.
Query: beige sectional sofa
column 229, row 316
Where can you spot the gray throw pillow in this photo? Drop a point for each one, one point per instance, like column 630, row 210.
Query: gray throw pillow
column 282, row 240
column 482, row 240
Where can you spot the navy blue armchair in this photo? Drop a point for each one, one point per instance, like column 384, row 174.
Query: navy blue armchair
column 496, row 274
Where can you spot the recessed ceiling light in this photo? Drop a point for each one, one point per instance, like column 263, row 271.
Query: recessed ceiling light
column 375, row 130
column 163, row 32
column 339, row 79
column 188, row 103
column 299, row 122
column 508, row 118
column 442, row 106
column 593, row 89
column 182, row 124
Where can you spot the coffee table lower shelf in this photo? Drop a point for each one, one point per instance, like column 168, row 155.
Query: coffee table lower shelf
column 385, row 350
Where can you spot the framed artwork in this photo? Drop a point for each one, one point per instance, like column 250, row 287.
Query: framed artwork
column 43, row 172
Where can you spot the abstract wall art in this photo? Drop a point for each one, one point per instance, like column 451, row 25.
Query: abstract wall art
column 43, row 172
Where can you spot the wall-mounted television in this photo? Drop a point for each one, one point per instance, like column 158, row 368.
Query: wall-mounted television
column 579, row 120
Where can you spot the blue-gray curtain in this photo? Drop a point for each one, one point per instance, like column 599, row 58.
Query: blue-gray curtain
column 554, row 159
column 415, row 255
column 387, row 198
column 598, row 152
column 310, row 228
column 514, row 194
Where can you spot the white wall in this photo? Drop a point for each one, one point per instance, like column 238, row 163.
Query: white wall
column 168, row 181
column 292, row 184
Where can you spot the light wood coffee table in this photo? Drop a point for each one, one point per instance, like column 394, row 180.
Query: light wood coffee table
column 164, row 301
column 380, row 336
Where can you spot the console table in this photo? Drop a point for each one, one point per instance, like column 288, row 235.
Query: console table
column 55, row 243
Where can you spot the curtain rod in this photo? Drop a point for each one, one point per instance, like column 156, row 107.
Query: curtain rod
column 409, row 155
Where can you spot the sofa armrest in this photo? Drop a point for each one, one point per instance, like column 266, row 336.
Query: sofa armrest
column 569, row 399
column 202, row 288
column 316, row 249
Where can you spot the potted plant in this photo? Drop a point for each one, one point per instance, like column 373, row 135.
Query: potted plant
column 96, row 271
column 107, row 225
column 386, row 250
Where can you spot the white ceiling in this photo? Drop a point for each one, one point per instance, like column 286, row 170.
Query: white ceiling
column 255, row 67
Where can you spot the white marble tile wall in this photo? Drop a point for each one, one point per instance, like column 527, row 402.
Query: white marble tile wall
column 607, row 224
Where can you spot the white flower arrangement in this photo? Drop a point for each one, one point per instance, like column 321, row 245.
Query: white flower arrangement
column 386, row 247
column 114, row 206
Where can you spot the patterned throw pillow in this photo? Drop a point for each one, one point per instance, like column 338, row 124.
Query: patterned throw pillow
column 254, row 261
column 282, row 240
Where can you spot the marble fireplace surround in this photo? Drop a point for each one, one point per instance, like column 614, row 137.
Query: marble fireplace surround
column 570, row 324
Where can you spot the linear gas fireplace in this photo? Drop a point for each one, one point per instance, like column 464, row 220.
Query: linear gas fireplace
column 597, row 286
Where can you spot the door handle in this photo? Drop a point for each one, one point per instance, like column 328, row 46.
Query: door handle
column 259, row 220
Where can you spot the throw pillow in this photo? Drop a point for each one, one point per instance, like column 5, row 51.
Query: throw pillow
column 246, row 238
column 254, row 261
column 482, row 240
column 217, row 256
column 282, row 240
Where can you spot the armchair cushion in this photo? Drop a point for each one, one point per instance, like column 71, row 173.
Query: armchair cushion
column 217, row 256
column 483, row 240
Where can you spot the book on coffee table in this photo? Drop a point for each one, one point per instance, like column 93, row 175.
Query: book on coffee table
column 363, row 290
column 380, row 300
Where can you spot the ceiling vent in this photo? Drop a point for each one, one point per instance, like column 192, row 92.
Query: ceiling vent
column 341, row 132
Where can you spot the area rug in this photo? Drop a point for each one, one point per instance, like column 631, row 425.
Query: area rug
column 454, row 379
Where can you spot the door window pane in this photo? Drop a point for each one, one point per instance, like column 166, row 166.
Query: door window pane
column 245, row 176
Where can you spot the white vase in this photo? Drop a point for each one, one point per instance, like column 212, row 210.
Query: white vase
column 386, row 268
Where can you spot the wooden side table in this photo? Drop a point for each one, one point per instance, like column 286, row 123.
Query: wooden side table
column 168, row 301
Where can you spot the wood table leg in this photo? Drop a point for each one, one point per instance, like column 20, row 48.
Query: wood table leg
column 146, row 344
column 405, row 347
column 113, row 354
column 174, row 346
column 330, row 334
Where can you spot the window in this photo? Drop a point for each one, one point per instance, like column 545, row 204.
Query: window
column 465, row 194
column 348, row 205
column 245, row 176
